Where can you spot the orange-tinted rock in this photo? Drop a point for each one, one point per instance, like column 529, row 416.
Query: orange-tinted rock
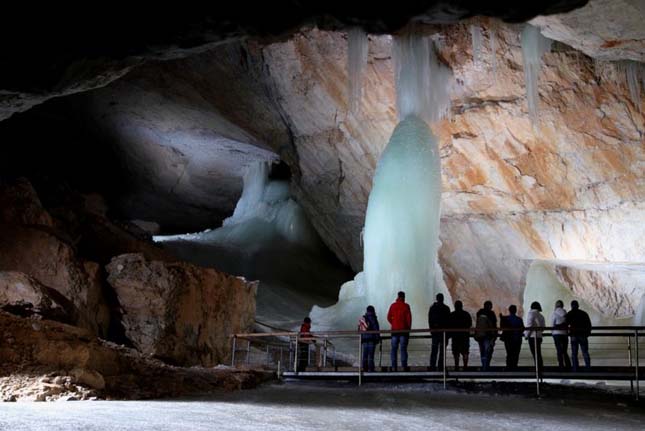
column 180, row 312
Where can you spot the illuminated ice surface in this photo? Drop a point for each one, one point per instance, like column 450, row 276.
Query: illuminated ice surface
column 268, row 238
column 401, row 234
column 357, row 47
column 326, row 407
column 544, row 285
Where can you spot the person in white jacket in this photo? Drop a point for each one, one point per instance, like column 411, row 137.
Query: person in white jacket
column 535, row 319
column 560, row 336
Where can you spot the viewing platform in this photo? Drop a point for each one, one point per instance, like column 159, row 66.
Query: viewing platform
column 333, row 355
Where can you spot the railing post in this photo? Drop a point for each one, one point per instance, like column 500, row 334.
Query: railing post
column 360, row 360
column 537, row 368
column 636, row 374
column 631, row 362
column 248, row 352
column 295, row 355
column 233, row 350
column 267, row 355
column 325, row 353
column 280, row 355
column 444, row 359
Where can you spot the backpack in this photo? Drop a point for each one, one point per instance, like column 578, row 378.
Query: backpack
column 482, row 327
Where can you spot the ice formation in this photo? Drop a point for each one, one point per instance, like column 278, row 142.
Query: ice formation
column 534, row 45
column 401, row 236
column 357, row 47
column 422, row 82
column 493, row 53
column 544, row 285
column 634, row 72
column 268, row 238
column 476, row 36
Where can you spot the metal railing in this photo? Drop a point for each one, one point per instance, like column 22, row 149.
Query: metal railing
column 614, row 351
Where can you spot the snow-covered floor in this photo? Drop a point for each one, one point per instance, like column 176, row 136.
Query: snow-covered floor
column 337, row 407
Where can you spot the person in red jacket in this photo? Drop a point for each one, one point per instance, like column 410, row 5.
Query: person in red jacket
column 400, row 318
column 304, row 341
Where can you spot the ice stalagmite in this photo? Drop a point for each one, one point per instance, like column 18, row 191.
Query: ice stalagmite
column 533, row 46
column 357, row 46
column 401, row 237
column 402, row 221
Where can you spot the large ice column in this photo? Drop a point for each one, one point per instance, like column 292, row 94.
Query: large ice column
column 534, row 45
column 402, row 221
column 357, row 47
column 401, row 235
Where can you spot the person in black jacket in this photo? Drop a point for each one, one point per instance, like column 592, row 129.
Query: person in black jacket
column 369, row 322
column 438, row 318
column 486, row 333
column 460, row 340
column 579, row 325
column 512, row 336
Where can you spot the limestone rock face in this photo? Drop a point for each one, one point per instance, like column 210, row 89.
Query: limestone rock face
column 19, row 203
column 179, row 312
column 25, row 296
column 31, row 244
column 603, row 29
column 571, row 188
column 44, row 360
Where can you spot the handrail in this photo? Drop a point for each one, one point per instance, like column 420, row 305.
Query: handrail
column 471, row 330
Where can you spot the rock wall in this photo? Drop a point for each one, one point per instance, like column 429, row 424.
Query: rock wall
column 46, row 360
column 572, row 188
column 30, row 243
column 179, row 312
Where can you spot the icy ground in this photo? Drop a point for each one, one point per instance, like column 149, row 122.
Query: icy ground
column 336, row 407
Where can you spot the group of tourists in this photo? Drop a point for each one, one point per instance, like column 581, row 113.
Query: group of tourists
column 444, row 324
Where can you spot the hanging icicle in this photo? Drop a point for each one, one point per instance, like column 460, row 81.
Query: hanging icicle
column 533, row 46
column 422, row 82
column 357, row 47
column 476, row 35
column 493, row 53
column 634, row 72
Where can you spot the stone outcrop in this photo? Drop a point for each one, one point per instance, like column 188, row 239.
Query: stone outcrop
column 30, row 243
column 44, row 360
column 179, row 312
column 25, row 296
column 602, row 29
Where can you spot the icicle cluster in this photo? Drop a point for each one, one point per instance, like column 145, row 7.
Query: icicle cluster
column 357, row 47
column 422, row 82
column 534, row 45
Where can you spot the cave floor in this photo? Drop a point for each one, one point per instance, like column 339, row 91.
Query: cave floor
column 335, row 406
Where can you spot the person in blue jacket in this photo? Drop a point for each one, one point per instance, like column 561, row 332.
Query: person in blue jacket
column 369, row 322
